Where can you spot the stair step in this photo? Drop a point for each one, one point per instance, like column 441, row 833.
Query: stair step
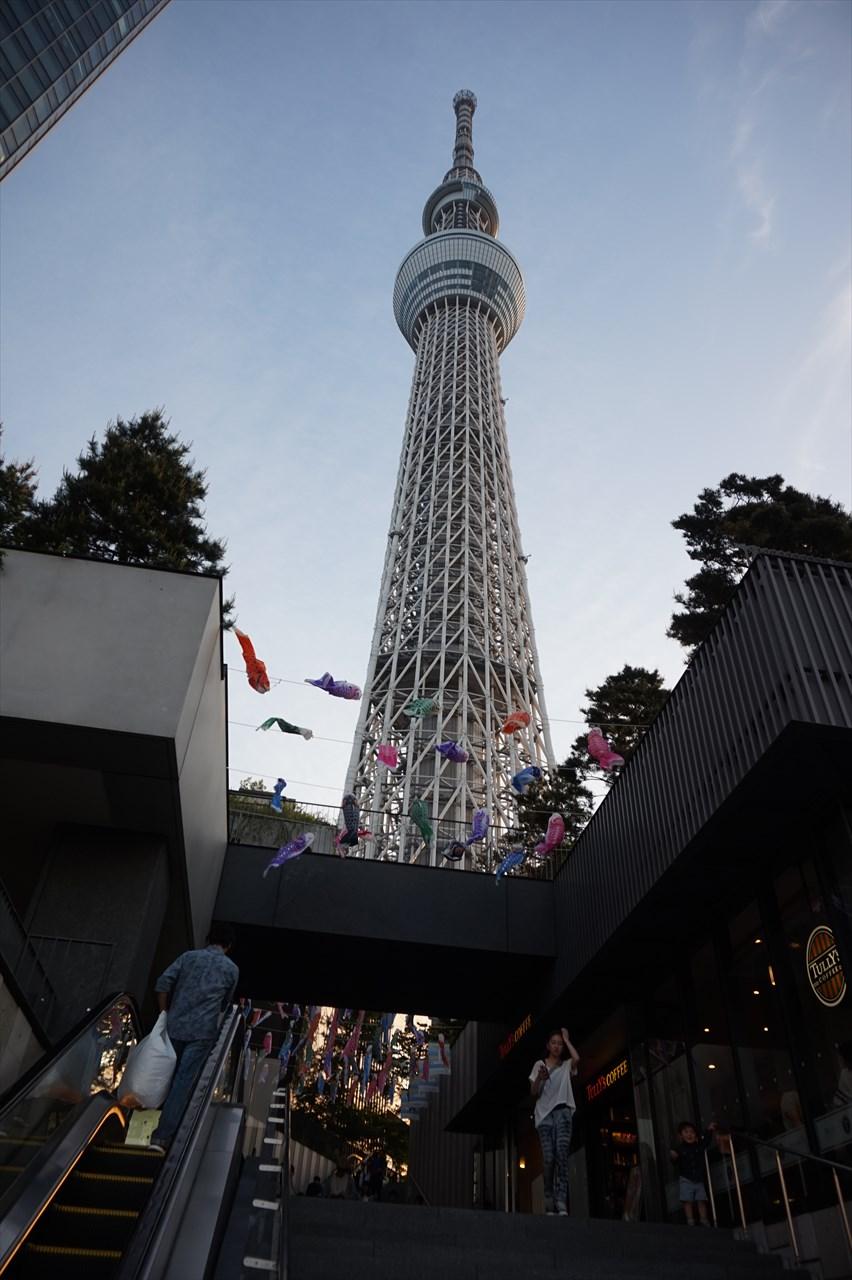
column 50, row 1261
column 79, row 1226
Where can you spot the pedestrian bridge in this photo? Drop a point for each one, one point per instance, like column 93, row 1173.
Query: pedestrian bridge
column 383, row 935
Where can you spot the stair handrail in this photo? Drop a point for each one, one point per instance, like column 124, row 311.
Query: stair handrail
column 284, row 1217
column 779, row 1149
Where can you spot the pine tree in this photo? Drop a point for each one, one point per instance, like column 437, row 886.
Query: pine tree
column 727, row 522
column 17, row 498
column 136, row 498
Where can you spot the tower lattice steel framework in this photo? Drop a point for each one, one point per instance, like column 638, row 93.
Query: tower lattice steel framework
column 454, row 620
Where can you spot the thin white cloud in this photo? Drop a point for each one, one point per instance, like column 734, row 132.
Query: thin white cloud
column 767, row 15
column 757, row 199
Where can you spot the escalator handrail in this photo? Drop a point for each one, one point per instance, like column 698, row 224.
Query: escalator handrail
column 46, row 1063
column 42, row 1178
column 151, row 1218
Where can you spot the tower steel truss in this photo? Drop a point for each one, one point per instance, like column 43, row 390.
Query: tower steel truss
column 453, row 621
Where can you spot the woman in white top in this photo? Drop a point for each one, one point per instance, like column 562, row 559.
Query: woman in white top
column 554, row 1116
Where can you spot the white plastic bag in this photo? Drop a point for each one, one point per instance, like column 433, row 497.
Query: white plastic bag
column 149, row 1069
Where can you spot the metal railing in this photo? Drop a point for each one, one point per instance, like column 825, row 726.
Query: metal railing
column 399, row 841
column 726, row 1141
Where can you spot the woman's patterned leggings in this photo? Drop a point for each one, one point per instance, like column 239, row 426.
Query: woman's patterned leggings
column 554, row 1134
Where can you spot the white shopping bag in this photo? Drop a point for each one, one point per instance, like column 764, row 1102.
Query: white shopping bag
column 149, row 1069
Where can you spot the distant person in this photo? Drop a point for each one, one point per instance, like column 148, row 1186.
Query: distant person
column 340, row 1183
column 688, row 1155
column 554, row 1116
column 194, row 991
column 374, row 1174
column 314, row 1188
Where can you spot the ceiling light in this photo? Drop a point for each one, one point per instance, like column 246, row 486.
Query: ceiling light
column 711, row 1066
column 771, row 976
column 757, row 941
column 755, row 992
column 522, row 1164
column 765, row 1028
column 706, row 1030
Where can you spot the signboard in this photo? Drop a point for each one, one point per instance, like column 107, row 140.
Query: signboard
column 511, row 1040
column 825, row 972
column 606, row 1080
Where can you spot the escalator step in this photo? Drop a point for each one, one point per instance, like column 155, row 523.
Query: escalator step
column 117, row 1158
column 80, row 1225
column 107, row 1190
column 71, row 1264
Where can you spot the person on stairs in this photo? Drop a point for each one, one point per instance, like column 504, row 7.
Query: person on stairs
column 195, row 990
column 688, row 1155
column 554, row 1116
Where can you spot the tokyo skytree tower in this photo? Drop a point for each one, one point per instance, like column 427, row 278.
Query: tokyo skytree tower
column 453, row 622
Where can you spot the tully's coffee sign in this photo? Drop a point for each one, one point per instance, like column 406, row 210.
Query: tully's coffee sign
column 606, row 1080
column 825, row 972
column 511, row 1040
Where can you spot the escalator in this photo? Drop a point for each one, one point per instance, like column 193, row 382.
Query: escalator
column 77, row 1199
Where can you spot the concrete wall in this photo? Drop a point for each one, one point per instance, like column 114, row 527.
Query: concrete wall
column 103, row 645
column 19, row 1048
column 113, row 712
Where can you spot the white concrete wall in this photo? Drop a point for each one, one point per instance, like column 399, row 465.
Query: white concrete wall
column 105, row 645
column 19, row 1048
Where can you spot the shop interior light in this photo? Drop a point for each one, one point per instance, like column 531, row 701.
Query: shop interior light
column 771, row 975
column 707, row 1031
column 522, row 1164
column 757, row 941
column 755, row 992
column 765, row 1028
column 711, row 1066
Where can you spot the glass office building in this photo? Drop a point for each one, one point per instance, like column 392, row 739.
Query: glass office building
column 50, row 52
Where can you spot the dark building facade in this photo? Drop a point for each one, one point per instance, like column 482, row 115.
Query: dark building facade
column 51, row 51
column 703, row 946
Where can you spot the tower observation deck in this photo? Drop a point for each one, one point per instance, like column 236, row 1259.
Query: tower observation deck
column 453, row 621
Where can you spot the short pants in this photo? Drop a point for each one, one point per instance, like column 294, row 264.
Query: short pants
column 688, row 1190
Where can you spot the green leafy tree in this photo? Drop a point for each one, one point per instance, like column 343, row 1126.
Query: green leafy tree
column 725, row 525
column 136, row 498
column 17, row 498
column 623, row 705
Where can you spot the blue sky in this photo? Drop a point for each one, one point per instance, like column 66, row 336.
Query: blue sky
column 216, row 227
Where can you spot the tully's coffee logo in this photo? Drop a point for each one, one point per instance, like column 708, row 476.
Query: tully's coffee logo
column 825, row 972
column 606, row 1080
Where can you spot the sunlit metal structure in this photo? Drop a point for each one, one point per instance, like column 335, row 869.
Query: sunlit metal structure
column 453, row 621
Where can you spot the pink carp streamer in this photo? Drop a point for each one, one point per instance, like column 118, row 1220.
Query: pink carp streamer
column 289, row 851
column 388, row 754
column 601, row 750
column 350, row 1049
column 337, row 688
column 554, row 836
column 255, row 669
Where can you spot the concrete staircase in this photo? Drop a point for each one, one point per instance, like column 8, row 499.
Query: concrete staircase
column 330, row 1239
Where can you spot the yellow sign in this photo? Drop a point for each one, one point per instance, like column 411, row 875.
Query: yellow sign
column 606, row 1080
column 825, row 972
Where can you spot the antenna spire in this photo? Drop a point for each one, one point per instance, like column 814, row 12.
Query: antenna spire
column 464, row 105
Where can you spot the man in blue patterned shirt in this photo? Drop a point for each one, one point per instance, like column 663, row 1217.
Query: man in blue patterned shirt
column 195, row 990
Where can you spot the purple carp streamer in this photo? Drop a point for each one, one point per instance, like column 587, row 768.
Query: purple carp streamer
column 289, row 851
column 337, row 688
column 478, row 827
column 453, row 751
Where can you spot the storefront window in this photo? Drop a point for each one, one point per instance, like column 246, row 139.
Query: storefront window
column 668, row 1075
column 826, row 1010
